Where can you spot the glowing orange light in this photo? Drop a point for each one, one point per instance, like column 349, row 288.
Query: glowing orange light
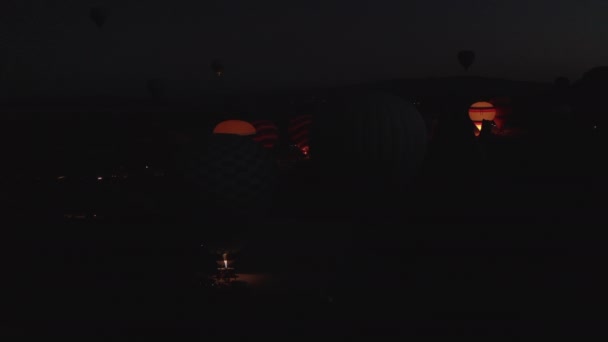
column 237, row 127
column 225, row 263
column 480, row 111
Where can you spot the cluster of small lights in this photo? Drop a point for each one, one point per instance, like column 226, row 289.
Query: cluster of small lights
column 113, row 176
column 305, row 150
column 80, row 216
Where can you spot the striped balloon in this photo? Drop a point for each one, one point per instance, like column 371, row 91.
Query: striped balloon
column 378, row 139
column 267, row 133
column 234, row 174
column 299, row 131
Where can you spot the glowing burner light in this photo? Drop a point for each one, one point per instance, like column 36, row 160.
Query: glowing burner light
column 305, row 150
column 99, row 178
column 225, row 274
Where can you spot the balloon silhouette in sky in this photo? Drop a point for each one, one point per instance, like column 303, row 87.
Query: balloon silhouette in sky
column 217, row 68
column 98, row 15
column 466, row 58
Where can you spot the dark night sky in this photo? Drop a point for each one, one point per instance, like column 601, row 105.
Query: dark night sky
column 52, row 48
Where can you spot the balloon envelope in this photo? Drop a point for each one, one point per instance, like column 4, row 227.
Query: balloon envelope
column 466, row 58
column 362, row 134
column 236, row 127
column 480, row 111
column 98, row 15
column 217, row 67
column 235, row 174
column 267, row 133
column 299, row 131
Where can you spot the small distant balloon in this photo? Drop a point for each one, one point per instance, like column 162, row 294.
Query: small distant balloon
column 466, row 58
column 217, row 67
column 98, row 15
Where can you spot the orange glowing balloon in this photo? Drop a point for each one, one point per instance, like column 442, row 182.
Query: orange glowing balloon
column 237, row 127
column 480, row 111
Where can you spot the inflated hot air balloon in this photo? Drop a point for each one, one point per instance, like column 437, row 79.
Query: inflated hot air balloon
column 98, row 15
column 234, row 176
column 480, row 111
column 267, row 133
column 373, row 142
column 236, row 127
column 217, row 68
column 299, row 132
column 466, row 58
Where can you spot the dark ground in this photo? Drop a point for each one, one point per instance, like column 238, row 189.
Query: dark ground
column 502, row 246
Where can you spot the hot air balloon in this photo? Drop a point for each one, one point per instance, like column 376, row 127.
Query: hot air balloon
column 217, row 67
column 234, row 176
column 299, row 132
column 236, row 127
column 466, row 58
column 480, row 111
column 267, row 133
column 99, row 15
column 373, row 144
